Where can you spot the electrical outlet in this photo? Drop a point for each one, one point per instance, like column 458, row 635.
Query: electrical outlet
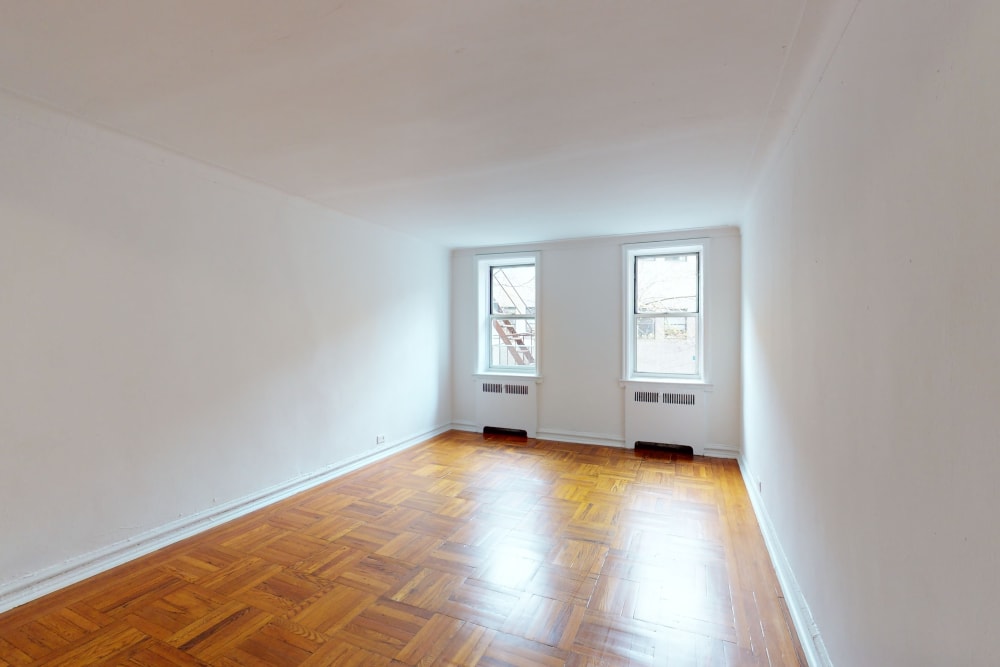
column 379, row 439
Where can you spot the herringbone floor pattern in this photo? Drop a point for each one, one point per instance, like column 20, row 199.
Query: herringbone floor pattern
column 465, row 550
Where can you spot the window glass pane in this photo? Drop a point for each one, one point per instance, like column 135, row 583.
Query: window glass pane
column 512, row 290
column 666, row 283
column 666, row 345
column 512, row 342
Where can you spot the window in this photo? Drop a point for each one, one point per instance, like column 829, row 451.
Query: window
column 508, row 340
column 664, row 319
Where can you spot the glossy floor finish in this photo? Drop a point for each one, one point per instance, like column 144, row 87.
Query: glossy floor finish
column 464, row 550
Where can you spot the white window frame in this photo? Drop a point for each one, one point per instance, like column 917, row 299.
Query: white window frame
column 629, row 254
column 484, row 264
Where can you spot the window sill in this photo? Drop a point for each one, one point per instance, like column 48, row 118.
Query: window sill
column 500, row 374
column 705, row 386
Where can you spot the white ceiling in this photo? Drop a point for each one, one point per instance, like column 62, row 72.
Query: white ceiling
column 465, row 122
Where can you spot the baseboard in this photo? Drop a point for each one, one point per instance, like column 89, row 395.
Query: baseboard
column 721, row 452
column 37, row 584
column 601, row 439
column 582, row 438
column 575, row 437
column 798, row 608
column 469, row 427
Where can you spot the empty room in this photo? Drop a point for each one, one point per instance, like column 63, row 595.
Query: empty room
column 497, row 332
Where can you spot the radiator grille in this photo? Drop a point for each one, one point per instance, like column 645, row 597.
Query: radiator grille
column 492, row 388
column 647, row 397
column 678, row 399
column 521, row 389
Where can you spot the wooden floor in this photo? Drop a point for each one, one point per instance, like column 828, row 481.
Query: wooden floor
column 465, row 550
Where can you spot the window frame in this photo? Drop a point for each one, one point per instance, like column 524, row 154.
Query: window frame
column 485, row 266
column 632, row 251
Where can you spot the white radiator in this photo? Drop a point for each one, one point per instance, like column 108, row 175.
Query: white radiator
column 507, row 403
column 666, row 414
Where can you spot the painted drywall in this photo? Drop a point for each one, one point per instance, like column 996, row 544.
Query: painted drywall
column 173, row 337
column 870, row 316
column 471, row 123
column 580, row 336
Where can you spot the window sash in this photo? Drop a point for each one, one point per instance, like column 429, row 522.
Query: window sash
column 520, row 345
column 509, row 295
column 668, row 356
column 518, row 352
column 636, row 291
column 654, row 345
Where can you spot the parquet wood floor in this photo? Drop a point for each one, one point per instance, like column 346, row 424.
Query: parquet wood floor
column 465, row 550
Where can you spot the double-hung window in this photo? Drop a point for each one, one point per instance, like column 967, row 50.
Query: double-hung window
column 664, row 311
column 509, row 332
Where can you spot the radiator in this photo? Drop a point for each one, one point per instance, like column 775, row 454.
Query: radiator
column 666, row 414
column 507, row 403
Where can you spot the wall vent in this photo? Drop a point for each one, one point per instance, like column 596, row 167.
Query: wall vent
column 509, row 432
column 492, row 388
column 520, row 389
column 678, row 399
column 647, row 397
column 665, row 447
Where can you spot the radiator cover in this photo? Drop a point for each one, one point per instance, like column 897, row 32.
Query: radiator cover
column 669, row 414
column 507, row 402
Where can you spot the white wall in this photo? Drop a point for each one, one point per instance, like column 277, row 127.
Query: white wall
column 580, row 346
column 173, row 337
column 871, row 322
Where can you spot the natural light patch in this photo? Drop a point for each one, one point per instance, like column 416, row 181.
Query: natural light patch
column 512, row 316
column 666, row 335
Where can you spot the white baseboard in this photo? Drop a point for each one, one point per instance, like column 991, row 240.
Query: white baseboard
column 37, row 584
column 802, row 618
column 470, row 427
column 575, row 437
column 601, row 439
column 582, row 438
column 721, row 451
